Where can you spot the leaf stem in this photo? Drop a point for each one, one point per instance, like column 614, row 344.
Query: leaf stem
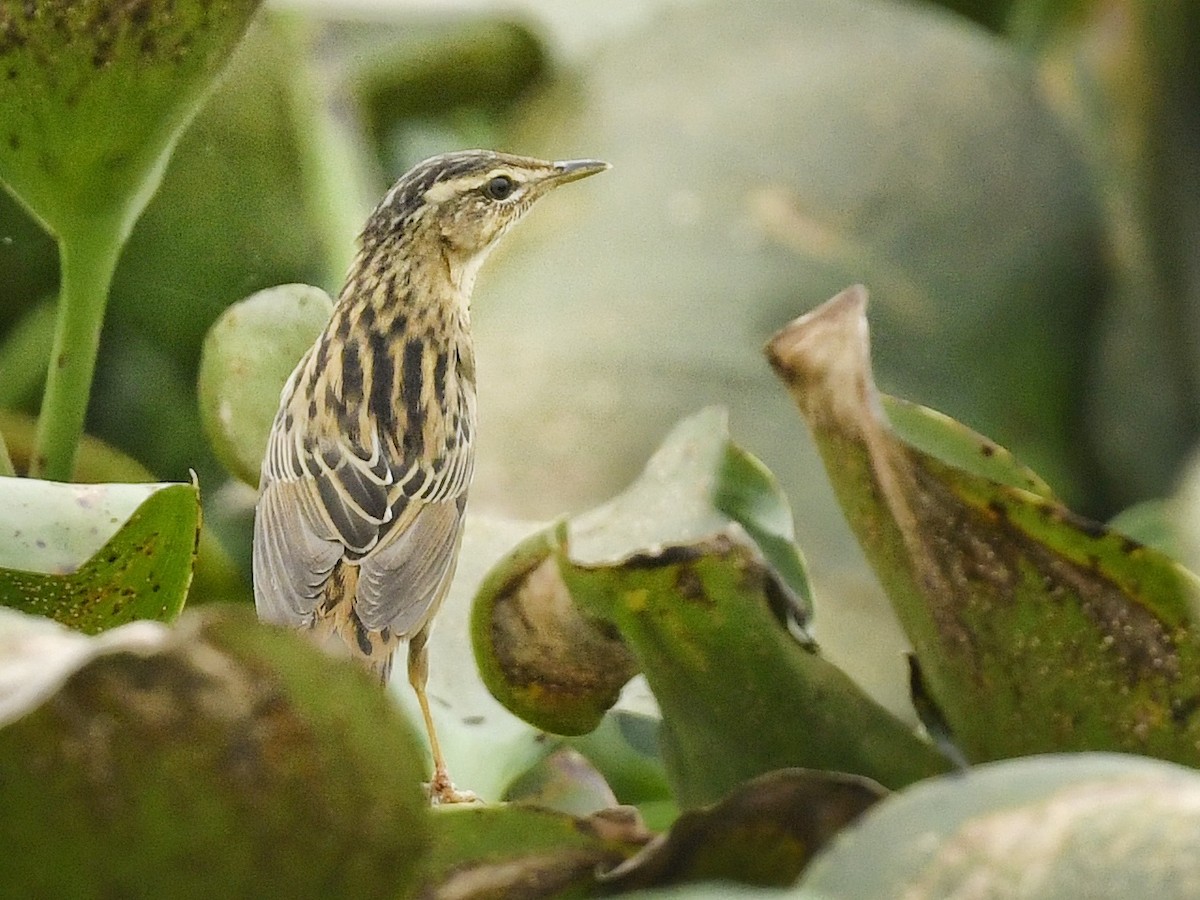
column 6, row 465
column 88, row 257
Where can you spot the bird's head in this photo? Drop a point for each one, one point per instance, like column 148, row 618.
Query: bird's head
column 464, row 202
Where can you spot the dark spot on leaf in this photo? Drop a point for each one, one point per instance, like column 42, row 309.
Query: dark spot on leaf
column 1087, row 526
column 1182, row 709
column 668, row 556
column 988, row 450
column 1129, row 545
column 473, row 720
column 688, row 584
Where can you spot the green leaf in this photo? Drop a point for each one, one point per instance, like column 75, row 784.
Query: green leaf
column 658, row 580
column 1019, row 611
column 1080, row 825
column 248, row 355
column 63, row 560
column 96, row 94
column 516, row 851
column 936, row 434
column 197, row 761
column 764, row 832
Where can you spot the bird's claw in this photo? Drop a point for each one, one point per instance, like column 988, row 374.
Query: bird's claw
column 441, row 790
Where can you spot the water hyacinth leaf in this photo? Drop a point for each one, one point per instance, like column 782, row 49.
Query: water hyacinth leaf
column 544, row 661
column 705, row 625
column 97, row 556
column 1073, row 636
column 695, row 485
column 764, row 832
column 659, row 580
column 216, row 740
column 939, row 435
column 96, row 93
column 480, row 853
column 1094, row 825
column 248, row 355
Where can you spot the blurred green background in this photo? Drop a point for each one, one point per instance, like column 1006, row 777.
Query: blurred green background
column 1018, row 184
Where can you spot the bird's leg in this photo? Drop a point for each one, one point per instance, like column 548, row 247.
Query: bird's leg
column 441, row 788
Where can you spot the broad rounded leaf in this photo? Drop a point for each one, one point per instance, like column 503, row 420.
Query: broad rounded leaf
column 198, row 761
column 662, row 581
column 1093, row 825
column 248, row 355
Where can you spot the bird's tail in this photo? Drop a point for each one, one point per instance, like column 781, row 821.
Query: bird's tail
column 338, row 628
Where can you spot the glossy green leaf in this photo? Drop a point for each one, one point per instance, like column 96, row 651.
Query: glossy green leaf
column 658, row 581
column 97, row 556
column 216, row 576
column 196, row 761
column 764, row 832
column 480, row 853
column 723, row 667
column 248, row 355
column 937, row 434
column 1020, row 612
column 1094, row 825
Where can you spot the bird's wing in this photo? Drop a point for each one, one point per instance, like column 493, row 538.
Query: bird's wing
column 400, row 585
column 405, row 576
column 327, row 499
column 320, row 501
column 292, row 558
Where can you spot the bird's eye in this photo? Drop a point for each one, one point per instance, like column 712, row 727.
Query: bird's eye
column 500, row 187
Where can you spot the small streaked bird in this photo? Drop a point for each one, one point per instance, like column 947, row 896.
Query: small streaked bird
column 363, row 487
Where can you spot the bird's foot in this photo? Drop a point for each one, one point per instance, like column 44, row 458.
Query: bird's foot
column 441, row 790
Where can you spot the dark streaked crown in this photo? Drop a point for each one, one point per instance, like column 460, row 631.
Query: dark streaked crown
column 454, row 187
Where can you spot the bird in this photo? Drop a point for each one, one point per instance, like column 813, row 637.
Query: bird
column 370, row 456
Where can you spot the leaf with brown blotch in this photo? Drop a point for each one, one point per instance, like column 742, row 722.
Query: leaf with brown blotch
column 1036, row 630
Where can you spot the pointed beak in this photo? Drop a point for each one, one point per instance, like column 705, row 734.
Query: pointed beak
column 574, row 169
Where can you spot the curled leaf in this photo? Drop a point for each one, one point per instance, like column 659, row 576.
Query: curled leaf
column 687, row 596
column 97, row 556
column 1036, row 630
column 764, row 832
